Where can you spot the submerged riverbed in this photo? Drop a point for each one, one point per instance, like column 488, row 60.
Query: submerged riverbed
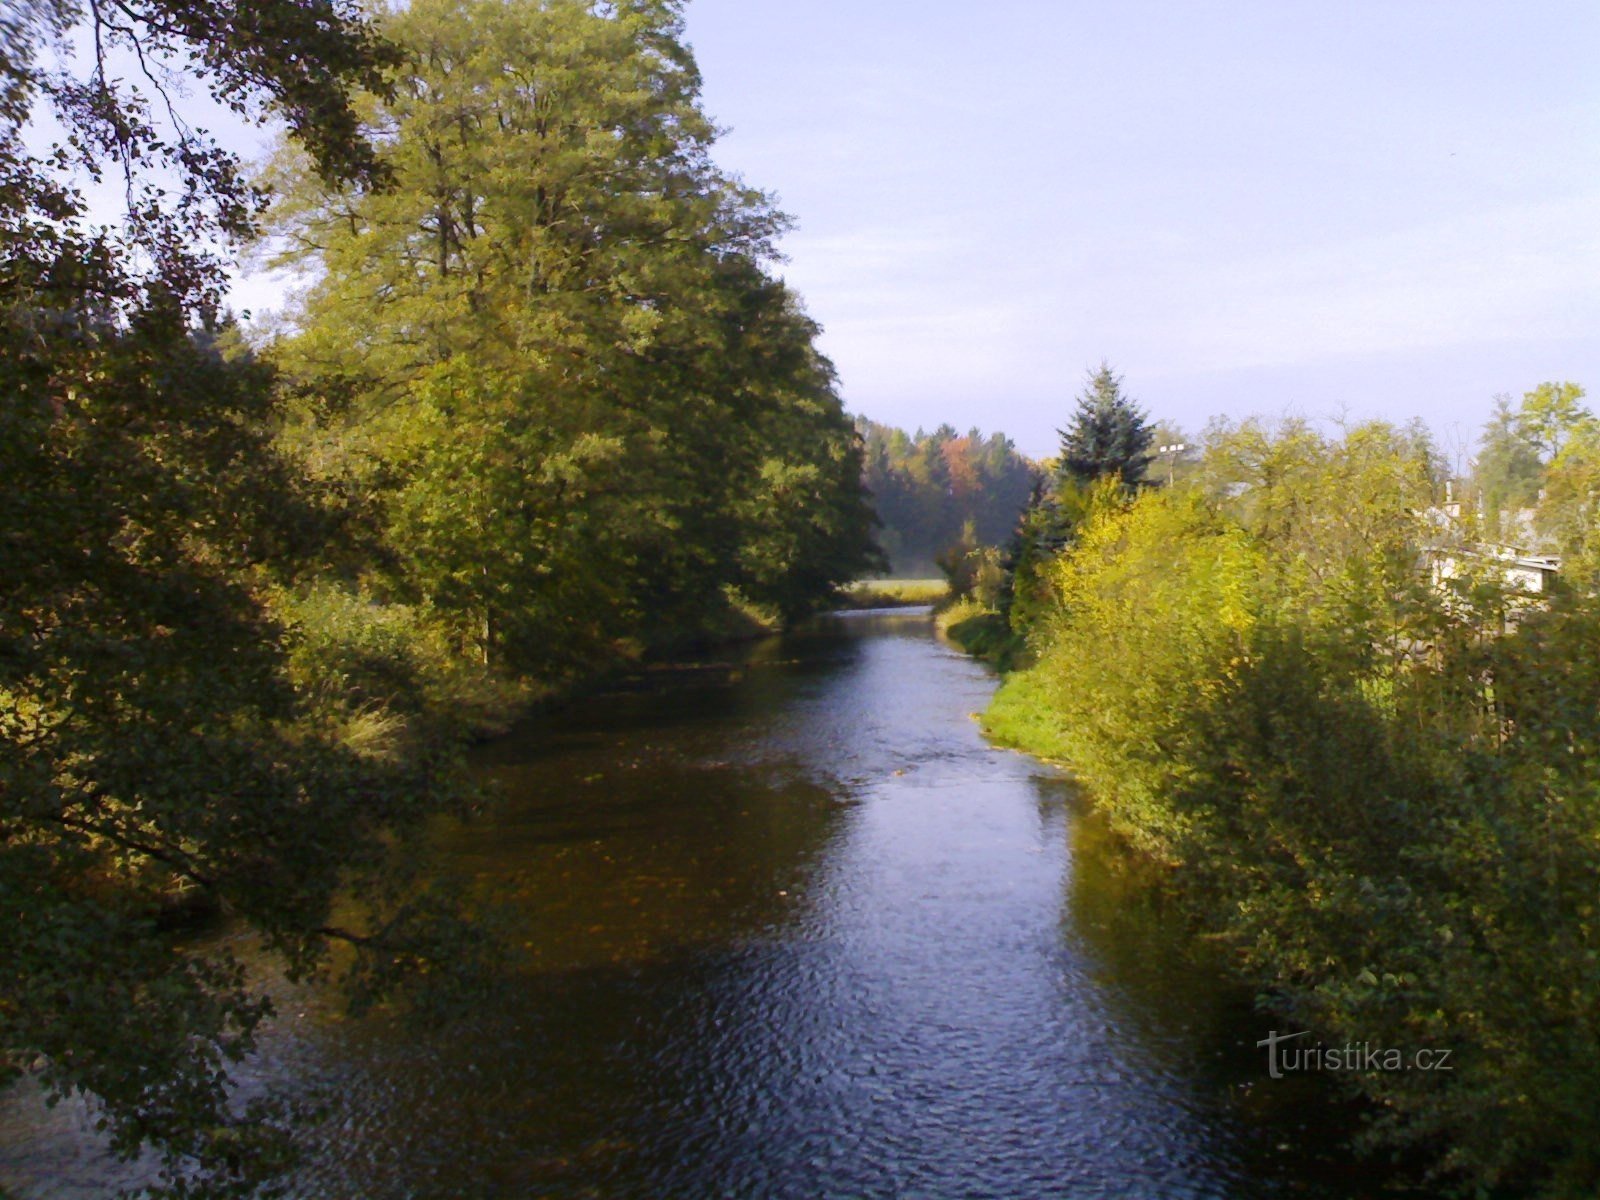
column 793, row 929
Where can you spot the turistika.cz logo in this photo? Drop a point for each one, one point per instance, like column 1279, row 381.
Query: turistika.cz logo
column 1286, row 1053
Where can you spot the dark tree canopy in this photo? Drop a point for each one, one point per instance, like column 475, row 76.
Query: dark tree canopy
column 1108, row 435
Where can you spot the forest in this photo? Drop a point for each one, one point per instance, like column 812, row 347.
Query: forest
column 934, row 492
column 1359, row 753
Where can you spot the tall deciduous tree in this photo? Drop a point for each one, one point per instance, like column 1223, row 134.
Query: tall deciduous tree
column 1518, row 454
column 566, row 372
column 1552, row 414
column 1508, row 468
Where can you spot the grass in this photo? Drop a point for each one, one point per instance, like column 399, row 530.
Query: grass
column 983, row 633
column 893, row 593
column 1023, row 717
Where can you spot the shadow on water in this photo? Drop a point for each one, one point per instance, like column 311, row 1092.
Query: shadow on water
column 1168, row 987
column 788, row 927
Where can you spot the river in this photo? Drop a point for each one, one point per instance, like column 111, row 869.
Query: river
column 793, row 929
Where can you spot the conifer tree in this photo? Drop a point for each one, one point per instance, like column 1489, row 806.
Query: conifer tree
column 1108, row 435
column 1107, row 439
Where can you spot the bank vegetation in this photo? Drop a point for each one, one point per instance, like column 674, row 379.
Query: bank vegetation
column 1374, row 783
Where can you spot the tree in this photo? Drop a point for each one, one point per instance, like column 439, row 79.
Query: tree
column 155, row 744
column 1569, row 507
column 563, row 300
column 1108, row 435
column 1507, row 471
column 929, row 487
column 1518, row 449
column 1107, row 440
column 1552, row 414
column 1385, row 812
column 300, row 61
column 1045, row 530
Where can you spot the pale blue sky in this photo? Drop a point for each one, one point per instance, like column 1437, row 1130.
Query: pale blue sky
column 1252, row 206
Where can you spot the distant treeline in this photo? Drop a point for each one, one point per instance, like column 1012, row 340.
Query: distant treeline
column 934, row 491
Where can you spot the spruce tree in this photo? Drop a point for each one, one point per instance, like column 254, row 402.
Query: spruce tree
column 1108, row 435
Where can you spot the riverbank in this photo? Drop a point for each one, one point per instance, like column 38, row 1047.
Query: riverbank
column 739, row 626
column 1377, row 800
column 892, row 593
column 483, row 704
column 983, row 633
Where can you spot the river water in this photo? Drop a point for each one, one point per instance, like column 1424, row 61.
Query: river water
column 793, row 929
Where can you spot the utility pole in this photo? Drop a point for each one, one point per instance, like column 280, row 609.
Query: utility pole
column 1172, row 451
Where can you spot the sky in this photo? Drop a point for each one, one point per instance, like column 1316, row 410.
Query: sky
column 1255, row 207
column 1247, row 207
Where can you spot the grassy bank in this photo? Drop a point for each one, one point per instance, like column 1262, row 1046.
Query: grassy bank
column 983, row 633
column 893, row 593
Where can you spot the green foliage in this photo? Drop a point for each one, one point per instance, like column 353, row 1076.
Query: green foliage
column 1551, row 415
column 1569, row 508
column 1046, row 528
column 1023, row 715
column 382, row 674
column 545, row 402
column 1508, row 468
column 1122, row 564
column 1526, row 450
column 972, row 571
column 549, row 355
column 982, row 632
column 1383, row 804
column 186, row 197
column 157, row 740
column 895, row 593
column 1108, row 435
column 1105, row 447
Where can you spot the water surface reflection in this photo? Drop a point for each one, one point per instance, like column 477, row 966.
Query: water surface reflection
column 792, row 929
